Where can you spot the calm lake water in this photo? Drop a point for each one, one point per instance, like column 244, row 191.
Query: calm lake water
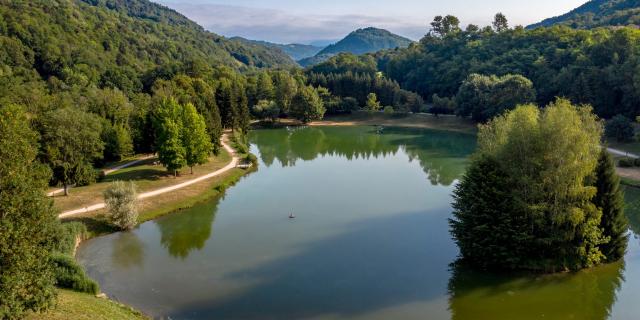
column 370, row 241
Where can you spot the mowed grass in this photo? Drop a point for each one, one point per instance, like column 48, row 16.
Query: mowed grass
column 81, row 306
column 146, row 175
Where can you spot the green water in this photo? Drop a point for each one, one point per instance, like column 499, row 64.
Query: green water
column 370, row 241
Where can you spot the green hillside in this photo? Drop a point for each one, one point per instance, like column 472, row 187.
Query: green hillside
column 598, row 13
column 295, row 51
column 361, row 41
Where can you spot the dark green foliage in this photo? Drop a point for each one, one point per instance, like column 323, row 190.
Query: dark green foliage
column 442, row 105
column 598, row 13
column 626, row 163
column 484, row 97
column 28, row 221
column 71, row 142
column 344, row 76
column 528, row 200
column 70, row 275
column 489, row 226
column 444, row 26
column 620, row 128
column 593, row 67
column 610, row 200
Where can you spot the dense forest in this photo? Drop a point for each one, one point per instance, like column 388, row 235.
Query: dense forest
column 597, row 67
column 598, row 13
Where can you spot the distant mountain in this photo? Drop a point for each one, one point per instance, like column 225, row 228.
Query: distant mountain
column 294, row 50
column 361, row 41
column 598, row 13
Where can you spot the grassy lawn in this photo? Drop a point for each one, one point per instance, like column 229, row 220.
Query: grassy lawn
column 147, row 177
column 77, row 306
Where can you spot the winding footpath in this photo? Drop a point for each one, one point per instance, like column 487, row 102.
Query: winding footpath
column 232, row 164
column 622, row 153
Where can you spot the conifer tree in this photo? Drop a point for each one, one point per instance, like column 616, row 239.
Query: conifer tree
column 610, row 200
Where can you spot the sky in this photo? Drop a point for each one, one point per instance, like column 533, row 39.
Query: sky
column 308, row 21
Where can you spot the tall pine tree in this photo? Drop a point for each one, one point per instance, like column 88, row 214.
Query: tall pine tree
column 610, row 199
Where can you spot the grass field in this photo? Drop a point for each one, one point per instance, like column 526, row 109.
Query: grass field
column 83, row 306
column 146, row 175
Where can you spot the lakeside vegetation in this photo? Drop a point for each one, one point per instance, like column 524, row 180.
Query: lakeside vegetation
column 540, row 194
column 84, row 83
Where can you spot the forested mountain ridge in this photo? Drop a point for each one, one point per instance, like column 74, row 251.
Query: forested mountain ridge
column 100, row 39
column 596, row 67
column 598, row 13
column 294, row 50
column 361, row 41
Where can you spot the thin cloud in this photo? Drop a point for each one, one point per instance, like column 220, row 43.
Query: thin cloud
column 279, row 26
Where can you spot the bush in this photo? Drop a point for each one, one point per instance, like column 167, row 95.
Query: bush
column 626, row 163
column 66, row 239
column 122, row 203
column 620, row 128
column 251, row 158
column 636, row 162
column 388, row 110
column 69, row 275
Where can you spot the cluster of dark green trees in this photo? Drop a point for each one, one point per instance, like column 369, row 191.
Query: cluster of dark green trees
column 352, row 78
column 596, row 67
column 540, row 194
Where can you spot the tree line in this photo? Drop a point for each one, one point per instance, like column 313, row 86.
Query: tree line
column 596, row 67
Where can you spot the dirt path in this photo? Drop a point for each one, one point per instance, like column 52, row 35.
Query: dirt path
column 622, row 153
column 232, row 164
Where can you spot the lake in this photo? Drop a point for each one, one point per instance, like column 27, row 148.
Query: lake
column 370, row 241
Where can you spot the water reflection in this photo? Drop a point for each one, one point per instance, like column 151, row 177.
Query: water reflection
column 441, row 154
column 588, row 294
column 128, row 250
column 379, row 263
column 181, row 233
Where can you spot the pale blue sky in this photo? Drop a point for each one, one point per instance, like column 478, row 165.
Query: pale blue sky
column 304, row 21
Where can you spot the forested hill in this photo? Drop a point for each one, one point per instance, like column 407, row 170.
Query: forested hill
column 598, row 13
column 99, row 40
column 361, row 41
column 294, row 50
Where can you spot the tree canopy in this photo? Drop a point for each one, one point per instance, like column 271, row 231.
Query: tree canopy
column 528, row 200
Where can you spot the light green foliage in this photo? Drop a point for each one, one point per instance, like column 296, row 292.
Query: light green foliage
column 373, row 105
column 28, row 221
column 388, row 110
column 194, row 137
column 266, row 110
column 306, row 105
column 285, row 88
column 265, row 89
column 545, row 160
column 168, row 126
column 117, row 142
column 71, row 142
column 121, row 199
